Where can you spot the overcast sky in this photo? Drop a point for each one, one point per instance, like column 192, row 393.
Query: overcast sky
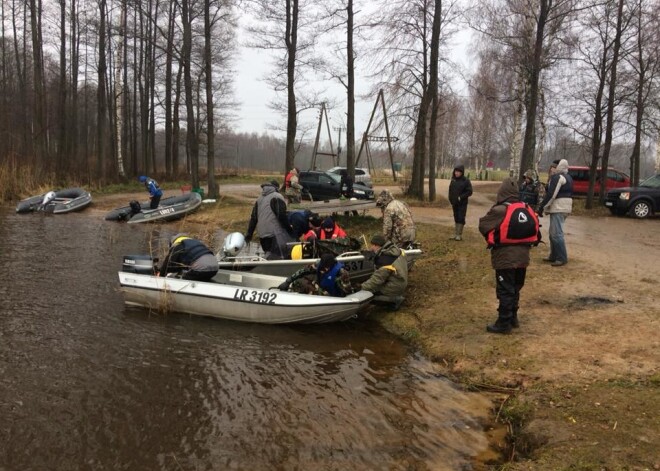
column 254, row 94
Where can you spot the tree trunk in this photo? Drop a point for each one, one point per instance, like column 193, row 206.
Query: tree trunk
column 533, row 78
column 191, row 137
column 39, row 131
column 210, row 123
column 350, row 93
column 168, row 90
column 291, row 41
column 433, row 91
column 119, row 91
column 101, row 96
column 609, row 129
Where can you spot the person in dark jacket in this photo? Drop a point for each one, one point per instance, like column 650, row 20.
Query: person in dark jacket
column 531, row 190
column 558, row 203
column 270, row 220
column 390, row 279
column 299, row 221
column 190, row 258
column 460, row 189
column 509, row 261
column 327, row 277
column 155, row 193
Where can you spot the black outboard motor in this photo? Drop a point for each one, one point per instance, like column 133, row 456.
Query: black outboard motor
column 140, row 264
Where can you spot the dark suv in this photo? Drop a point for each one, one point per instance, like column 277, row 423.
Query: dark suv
column 639, row 201
column 326, row 186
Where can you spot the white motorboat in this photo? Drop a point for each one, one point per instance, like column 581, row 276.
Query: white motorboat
column 232, row 295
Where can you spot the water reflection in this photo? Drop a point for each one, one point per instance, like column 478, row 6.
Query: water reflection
column 89, row 384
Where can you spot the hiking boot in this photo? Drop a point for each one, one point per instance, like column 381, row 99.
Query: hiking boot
column 557, row 263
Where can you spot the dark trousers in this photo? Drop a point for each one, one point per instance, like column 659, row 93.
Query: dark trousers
column 509, row 283
column 155, row 201
column 460, row 210
column 272, row 249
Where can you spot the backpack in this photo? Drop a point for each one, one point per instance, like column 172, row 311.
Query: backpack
column 520, row 226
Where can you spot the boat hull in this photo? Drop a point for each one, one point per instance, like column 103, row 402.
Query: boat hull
column 236, row 296
column 170, row 209
column 66, row 201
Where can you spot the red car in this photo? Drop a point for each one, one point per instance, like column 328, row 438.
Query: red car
column 615, row 179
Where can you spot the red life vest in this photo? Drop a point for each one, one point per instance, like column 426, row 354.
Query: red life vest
column 287, row 180
column 520, row 226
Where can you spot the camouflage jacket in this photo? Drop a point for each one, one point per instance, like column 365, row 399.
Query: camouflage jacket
column 306, row 281
column 398, row 225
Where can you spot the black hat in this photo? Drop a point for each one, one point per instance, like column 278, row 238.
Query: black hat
column 315, row 220
column 327, row 261
column 328, row 223
column 378, row 239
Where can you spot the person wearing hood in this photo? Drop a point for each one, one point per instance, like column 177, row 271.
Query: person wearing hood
column 191, row 258
column 460, row 189
column 155, row 193
column 270, row 220
column 398, row 224
column 509, row 261
column 390, row 278
column 558, row 203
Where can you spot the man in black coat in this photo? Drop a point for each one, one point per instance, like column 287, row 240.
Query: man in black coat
column 460, row 189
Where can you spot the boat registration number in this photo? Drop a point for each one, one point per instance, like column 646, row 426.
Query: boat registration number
column 354, row 266
column 261, row 297
column 166, row 211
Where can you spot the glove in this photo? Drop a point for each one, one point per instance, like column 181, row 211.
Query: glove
column 247, row 239
column 285, row 286
column 540, row 213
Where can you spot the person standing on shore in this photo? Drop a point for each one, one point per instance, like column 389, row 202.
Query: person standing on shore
column 558, row 203
column 460, row 189
column 509, row 258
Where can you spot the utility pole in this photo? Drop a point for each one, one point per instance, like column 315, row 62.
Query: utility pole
column 339, row 129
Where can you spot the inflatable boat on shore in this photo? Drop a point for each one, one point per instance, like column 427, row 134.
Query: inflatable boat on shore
column 170, row 209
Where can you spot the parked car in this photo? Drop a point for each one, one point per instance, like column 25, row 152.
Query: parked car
column 326, row 186
column 361, row 175
column 615, row 179
column 640, row 201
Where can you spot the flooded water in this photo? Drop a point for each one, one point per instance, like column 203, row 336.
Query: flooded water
column 86, row 383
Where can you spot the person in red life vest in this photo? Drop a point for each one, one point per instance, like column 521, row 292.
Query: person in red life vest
column 331, row 230
column 292, row 187
column 314, row 231
column 509, row 258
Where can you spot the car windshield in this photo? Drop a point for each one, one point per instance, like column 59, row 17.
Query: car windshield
column 652, row 182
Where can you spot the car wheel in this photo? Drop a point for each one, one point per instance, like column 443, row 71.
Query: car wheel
column 641, row 209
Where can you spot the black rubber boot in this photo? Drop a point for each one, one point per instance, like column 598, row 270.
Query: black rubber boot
column 514, row 320
column 501, row 326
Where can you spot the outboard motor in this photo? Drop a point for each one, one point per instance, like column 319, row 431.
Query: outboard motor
column 233, row 244
column 140, row 264
column 48, row 197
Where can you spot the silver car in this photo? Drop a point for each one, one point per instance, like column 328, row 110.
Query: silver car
column 361, row 175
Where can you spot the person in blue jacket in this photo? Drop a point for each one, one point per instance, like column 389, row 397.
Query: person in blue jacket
column 327, row 277
column 190, row 259
column 155, row 193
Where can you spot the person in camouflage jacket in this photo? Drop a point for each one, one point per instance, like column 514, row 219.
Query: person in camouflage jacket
column 390, row 279
column 398, row 224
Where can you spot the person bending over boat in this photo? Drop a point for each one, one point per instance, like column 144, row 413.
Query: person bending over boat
column 155, row 193
column 270, row 220
column 314, row 231
column 327, row 277
column 190, row 258
column 331, row 230
column 390, row 279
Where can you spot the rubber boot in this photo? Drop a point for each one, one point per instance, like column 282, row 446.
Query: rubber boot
column 459, row 231
column 514, row 320
column 502, row 325
column 455, row 232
